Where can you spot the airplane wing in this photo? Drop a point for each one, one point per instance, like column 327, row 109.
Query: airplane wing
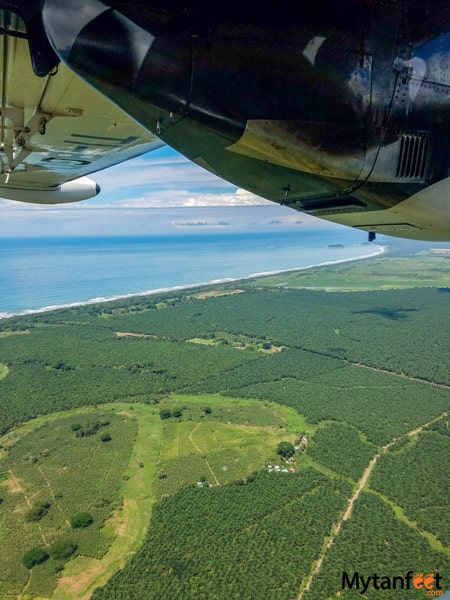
column 55, row 130
column 341, row 110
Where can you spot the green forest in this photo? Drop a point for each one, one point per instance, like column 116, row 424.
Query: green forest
column 152, row 424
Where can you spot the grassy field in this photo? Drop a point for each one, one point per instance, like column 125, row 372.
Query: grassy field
column 241, row 342
column 128, row 525
column 227, row 444
column 3, row 371
column 427, row 268
column 47, row 464
column 9, row 333
column 118, row 481
column 3, row 368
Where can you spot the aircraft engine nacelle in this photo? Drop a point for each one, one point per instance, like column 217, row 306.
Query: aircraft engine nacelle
column 71, row 191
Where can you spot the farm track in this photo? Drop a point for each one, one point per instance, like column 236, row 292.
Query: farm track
column 191, row 439
column 18, row 487
column 308, row 350
column 348, row 511
column 55, row 502
column 375, row 369
column 401, row 375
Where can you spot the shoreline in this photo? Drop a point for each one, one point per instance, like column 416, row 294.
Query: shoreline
column 100, row 300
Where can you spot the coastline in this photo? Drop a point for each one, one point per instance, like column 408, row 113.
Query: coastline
column 6, row 315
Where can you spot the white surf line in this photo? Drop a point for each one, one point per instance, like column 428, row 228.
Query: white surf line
column 176, row 288
column 362, row 482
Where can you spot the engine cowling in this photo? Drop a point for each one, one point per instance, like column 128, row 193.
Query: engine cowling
column 71, row 191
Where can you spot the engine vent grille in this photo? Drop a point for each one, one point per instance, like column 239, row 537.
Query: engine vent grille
column 413, row 157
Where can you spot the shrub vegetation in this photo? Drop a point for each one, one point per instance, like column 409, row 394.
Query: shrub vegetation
column 39, row 510
column 81, row 520
column 62, row 549
column 285, row 449
column 34, row 556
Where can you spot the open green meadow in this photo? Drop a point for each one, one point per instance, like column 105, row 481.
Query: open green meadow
column 140, row 454
column 426, row 268
column 3, row 371
column 50, row 474
column 115, row 462
column 218, row 441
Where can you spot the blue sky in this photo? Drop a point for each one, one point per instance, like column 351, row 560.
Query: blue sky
column 160, row 192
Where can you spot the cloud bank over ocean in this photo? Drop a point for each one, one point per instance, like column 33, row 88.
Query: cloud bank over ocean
column 78, row 220
column 160, row 192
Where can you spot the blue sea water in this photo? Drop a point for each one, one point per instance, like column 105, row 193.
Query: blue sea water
column 42, row 273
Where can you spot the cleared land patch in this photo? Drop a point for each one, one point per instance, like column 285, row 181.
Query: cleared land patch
column 121, row 334
column 4, row 334
column 3, row 371
column 66, row 466
column 239, row 341
column 67, row 461
column 215, row 440
column 216, row 293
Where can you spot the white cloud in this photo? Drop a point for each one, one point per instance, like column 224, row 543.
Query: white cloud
column 172, row 171
column 187, row 198
column 159, row 192
column 239, row 198
column 78, row 220
column 152, row 181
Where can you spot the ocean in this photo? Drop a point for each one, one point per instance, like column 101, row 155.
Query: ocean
column 44, row 273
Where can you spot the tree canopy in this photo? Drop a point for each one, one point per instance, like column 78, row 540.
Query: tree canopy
column 81, row 519
column 34, row 556
column 286, row 449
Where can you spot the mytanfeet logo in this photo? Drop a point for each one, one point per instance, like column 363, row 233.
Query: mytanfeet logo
column 430, row 583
